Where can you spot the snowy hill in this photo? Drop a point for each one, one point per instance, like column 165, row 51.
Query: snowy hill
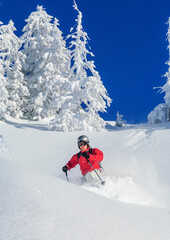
column 37, row 203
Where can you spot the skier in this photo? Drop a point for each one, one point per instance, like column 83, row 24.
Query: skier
column 89, row 160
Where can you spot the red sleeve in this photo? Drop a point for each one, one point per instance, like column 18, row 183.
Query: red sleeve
column 96, row 155
column 73, row 162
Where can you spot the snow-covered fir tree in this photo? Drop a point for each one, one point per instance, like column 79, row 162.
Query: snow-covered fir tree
column 86, row 94
column 161, row 113
column 3, row 83
column 166, row 87
column 11, row 59
column 3, row 93
column 119, row 120
column 47, row 63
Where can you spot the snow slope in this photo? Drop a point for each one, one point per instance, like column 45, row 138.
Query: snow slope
column 37, row 203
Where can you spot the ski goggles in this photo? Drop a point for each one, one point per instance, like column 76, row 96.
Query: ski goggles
column 81, row 144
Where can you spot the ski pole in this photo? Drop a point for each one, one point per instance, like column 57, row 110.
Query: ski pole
column 67, row 177
column 102, row 182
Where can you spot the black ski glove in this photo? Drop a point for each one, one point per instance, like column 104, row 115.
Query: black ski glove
column 86, row 155
column 65, row 169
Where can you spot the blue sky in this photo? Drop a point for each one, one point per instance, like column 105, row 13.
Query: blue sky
column 128, row 39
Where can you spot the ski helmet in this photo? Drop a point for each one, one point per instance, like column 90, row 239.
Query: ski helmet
column 83, row 138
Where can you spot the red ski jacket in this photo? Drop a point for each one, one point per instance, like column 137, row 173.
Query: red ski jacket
column 95, row 157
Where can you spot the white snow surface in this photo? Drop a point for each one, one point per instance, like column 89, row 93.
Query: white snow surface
column 37, row 203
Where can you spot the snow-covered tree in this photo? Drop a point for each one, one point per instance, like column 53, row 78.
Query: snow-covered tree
column 119, row 120
column 3, row 93
column 47, row 63
column 11, row 72
column 86, row 94
column 166, row 87
column 3, row 84
column 161, row 113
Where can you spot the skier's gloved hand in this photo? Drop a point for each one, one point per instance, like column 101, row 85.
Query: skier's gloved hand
column 86, row 155
column 65, row 169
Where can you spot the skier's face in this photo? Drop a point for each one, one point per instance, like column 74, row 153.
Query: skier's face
column 83, row 147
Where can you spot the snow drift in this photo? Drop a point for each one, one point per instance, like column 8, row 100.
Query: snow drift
column 37, row 203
